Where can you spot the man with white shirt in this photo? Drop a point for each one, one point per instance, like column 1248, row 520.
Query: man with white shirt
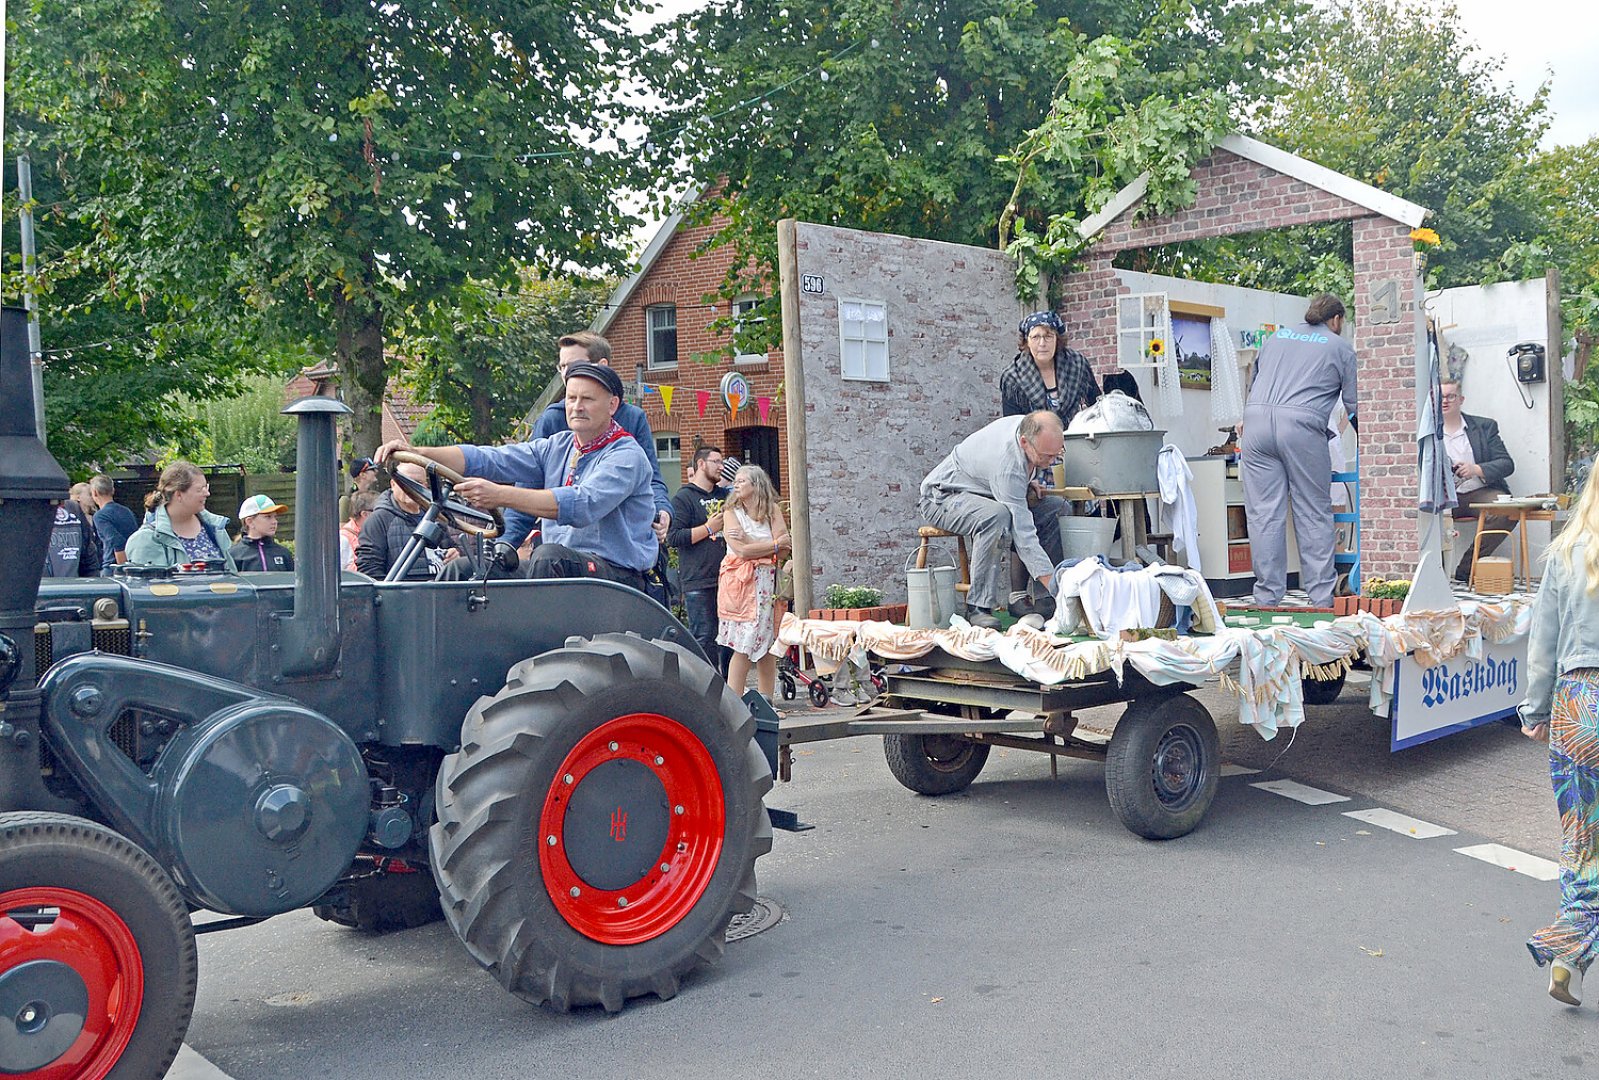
column 1480, row 462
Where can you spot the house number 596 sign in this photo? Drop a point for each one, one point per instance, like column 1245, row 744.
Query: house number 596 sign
column 812, row 283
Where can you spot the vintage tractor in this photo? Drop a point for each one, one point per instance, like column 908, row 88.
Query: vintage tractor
column 553, row 762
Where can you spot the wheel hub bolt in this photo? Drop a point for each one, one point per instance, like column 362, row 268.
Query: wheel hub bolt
column 678, row 809
column 576, row 892
column 567, row 779
column 666, row 867
column 614, row 748
column 659, row 760
column 550, row 840
column 32, row 1018
column 621, row 901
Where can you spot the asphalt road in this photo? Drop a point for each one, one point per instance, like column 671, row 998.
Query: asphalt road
column 1015, row 929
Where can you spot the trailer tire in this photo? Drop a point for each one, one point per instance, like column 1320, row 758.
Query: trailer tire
column 1163, row 765
column 599, row 826
column 1323, row 691
column 116, row 962
column 934, row 764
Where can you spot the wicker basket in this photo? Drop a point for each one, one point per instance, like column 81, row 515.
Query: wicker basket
column 1493, row 575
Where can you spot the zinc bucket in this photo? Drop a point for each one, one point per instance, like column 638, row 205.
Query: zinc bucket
column 1081, row 537
column 944, row 579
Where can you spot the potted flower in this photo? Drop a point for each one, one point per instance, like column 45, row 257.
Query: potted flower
column 1379, row 596
column 856, row 602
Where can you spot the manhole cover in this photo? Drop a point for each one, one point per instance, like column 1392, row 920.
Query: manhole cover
column 766, row 914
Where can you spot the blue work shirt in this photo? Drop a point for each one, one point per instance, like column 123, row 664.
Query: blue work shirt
column 607, row 510
column 552, row 421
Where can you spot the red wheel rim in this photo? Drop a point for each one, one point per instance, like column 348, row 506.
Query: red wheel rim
column 685, row 864
column 94, row 942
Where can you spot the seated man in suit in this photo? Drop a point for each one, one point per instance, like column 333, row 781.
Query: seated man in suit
column 1480, row 462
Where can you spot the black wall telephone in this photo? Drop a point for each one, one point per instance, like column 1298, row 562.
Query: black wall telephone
column 1528, row 360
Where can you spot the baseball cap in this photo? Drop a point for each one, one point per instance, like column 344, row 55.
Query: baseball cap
column 600, row 374
column 259, row 504
column 359, row 466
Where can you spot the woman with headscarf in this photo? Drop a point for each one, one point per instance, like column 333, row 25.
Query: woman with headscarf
column 1045, row 373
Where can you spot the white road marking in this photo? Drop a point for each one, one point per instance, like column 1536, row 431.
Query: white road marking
column 1230, row 769
column 1290, row 789
column 1511, row 859
column 191, row 1066
column 1399, row 823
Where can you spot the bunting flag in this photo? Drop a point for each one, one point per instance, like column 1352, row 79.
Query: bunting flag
column 764, row 404
column 733, row 400
column 705, row 399
column 666, row 397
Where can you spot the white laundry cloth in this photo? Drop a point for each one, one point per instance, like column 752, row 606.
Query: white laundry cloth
column 1177, row 497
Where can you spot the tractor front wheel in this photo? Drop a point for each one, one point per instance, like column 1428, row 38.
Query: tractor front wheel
column 600, row 824
column 97, row 957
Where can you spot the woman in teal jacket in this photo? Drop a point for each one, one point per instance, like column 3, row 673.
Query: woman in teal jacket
column 177, row 527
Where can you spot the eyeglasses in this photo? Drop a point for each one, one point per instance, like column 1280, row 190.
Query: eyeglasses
column 1447, row 398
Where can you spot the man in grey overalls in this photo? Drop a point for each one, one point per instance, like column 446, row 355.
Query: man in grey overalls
column 1299, row 376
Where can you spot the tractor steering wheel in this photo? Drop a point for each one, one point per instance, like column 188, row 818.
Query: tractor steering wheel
column 441, row 484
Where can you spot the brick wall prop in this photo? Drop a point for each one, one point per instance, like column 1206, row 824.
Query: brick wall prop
column 1237, row 195
column 952, row 315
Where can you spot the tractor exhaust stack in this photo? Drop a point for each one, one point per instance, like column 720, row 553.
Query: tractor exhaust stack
column 311, row 635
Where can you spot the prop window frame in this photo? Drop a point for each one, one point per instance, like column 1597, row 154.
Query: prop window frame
column 863, row 339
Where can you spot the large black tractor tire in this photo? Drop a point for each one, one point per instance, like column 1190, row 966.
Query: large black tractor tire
column 380, row 902
column 1162, row 766
column 934, row 764
column 97, row 957
column 600, row 824
column 1323, row 691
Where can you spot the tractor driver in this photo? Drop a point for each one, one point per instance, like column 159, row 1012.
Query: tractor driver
column 590, row 483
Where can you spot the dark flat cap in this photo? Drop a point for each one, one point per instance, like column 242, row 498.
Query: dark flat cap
column 600, row 374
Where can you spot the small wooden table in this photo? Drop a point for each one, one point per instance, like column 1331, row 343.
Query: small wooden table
column 1130, row 508
column 1541, row 508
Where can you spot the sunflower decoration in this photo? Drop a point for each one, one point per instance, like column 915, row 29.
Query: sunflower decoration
column 1157, row 348
column 1425, row 236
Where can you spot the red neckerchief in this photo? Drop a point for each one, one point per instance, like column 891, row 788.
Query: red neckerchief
column 612, row 434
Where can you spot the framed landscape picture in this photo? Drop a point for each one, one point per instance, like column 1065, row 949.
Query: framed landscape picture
column 1191, row 339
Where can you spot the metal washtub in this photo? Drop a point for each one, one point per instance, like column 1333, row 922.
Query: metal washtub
column 1113, row 462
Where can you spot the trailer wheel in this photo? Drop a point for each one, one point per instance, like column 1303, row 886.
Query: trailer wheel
column 1323, row 691
column 600, row 824
column 934, row 764
column 97, row 957
column 1162, row 766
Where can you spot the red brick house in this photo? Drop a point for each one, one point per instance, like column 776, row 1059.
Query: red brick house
column 401, row 412
column 658, row 324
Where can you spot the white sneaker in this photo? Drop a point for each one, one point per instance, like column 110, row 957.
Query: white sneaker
column 1565, row 983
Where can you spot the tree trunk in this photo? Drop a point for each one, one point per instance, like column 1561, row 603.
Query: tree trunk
column 365, row 372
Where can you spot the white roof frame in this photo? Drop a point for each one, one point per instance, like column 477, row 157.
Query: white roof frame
column 1329, row 180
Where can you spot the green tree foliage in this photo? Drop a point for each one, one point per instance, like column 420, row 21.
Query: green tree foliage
column 918, row 100
column 1392, row 92
column 249, row 429
column 484, row 358
column 291, row 173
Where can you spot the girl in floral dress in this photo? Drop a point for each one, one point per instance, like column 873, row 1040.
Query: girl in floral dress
column 757, row 539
